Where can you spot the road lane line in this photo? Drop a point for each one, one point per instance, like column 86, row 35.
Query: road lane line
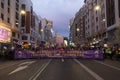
column 22, row 66
column 41, row 69
column 62, row 60
column 11, row 65
column 96, row 76
column 36, row 72
column 27, row 63
column 18, row 69
column 113, row 67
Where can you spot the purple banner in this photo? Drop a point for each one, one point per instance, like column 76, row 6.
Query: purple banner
column 89, row 54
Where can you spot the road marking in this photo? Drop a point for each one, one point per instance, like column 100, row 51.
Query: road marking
column 22, row 66
column 113, row 67
column 18, row 69
column 96, row 76
column 36, row 72
column 62, row 60
column 41, row 69
column 27, row 63
column 11, row 65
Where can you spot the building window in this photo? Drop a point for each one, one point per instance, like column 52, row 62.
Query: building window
column 17, row 16
column 17, row 0
column 96, row 28
column 23, row 7
column 18, row 36
column 88, row 26
column 110, row 7
column 24, row 37
column 22, row 30
column 2, row 5
column 13, row 34
column 8, row 20
column 95, row 1
column 96, row 19
column 2, row 16
column 8, row 10
column 119, row 7
column 17, row 25
column 17, row 6
column 23, row 16
column 9, row 2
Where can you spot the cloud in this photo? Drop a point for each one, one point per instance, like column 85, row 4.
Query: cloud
column 60, row 11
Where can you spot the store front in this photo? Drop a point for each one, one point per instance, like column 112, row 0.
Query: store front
column 5, row 36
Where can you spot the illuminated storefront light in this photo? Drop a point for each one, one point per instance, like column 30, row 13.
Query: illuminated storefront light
column 5, row 34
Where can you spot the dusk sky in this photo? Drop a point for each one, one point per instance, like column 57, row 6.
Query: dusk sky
column 59, row 11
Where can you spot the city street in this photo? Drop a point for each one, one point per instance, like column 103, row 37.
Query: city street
column 60, row 69
column 60, row 40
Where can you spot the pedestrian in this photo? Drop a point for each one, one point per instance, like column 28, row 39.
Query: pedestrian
column 109, row 53
column 118, row 53
column 104, row 52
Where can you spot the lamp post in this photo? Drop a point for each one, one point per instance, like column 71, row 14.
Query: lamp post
column 41, row 30
column 97, row 7
column 23, row 12
column 78, row 30
column 77, row 35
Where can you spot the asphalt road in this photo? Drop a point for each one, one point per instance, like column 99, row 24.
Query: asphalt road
column 60, row 69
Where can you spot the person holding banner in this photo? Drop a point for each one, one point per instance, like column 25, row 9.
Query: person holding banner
column 118, row 53
column 109, row 53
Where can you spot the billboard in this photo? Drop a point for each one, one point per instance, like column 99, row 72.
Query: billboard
column 5, row 34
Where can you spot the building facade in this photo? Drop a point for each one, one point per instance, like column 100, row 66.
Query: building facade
column 95, row 21
column 47, row 26
column 98, row 21
column 9, row 22
column 112, row 19
column 27, row 23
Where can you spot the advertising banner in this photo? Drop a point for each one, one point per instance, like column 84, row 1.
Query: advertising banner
column 5, row 34
column 87, row 54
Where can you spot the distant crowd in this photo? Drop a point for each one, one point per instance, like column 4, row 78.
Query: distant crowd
column 108, row 52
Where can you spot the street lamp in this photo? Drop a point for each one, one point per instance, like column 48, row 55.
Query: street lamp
column 97, row 8
column 69, row 26
column 22, row 12
column 78, row 29
column 41, row 30
column 104, row 20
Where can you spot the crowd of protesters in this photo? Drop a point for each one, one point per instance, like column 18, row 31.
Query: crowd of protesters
column 111, row 52
column 108, row 52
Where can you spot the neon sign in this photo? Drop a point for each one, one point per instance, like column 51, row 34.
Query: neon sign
column 5, row 34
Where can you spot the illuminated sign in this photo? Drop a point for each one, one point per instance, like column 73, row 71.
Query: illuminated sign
column 5, row 34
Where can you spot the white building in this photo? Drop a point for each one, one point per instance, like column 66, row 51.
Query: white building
column 47, row 26
column 27, row 22
column 36, row 31
column 9, row 21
